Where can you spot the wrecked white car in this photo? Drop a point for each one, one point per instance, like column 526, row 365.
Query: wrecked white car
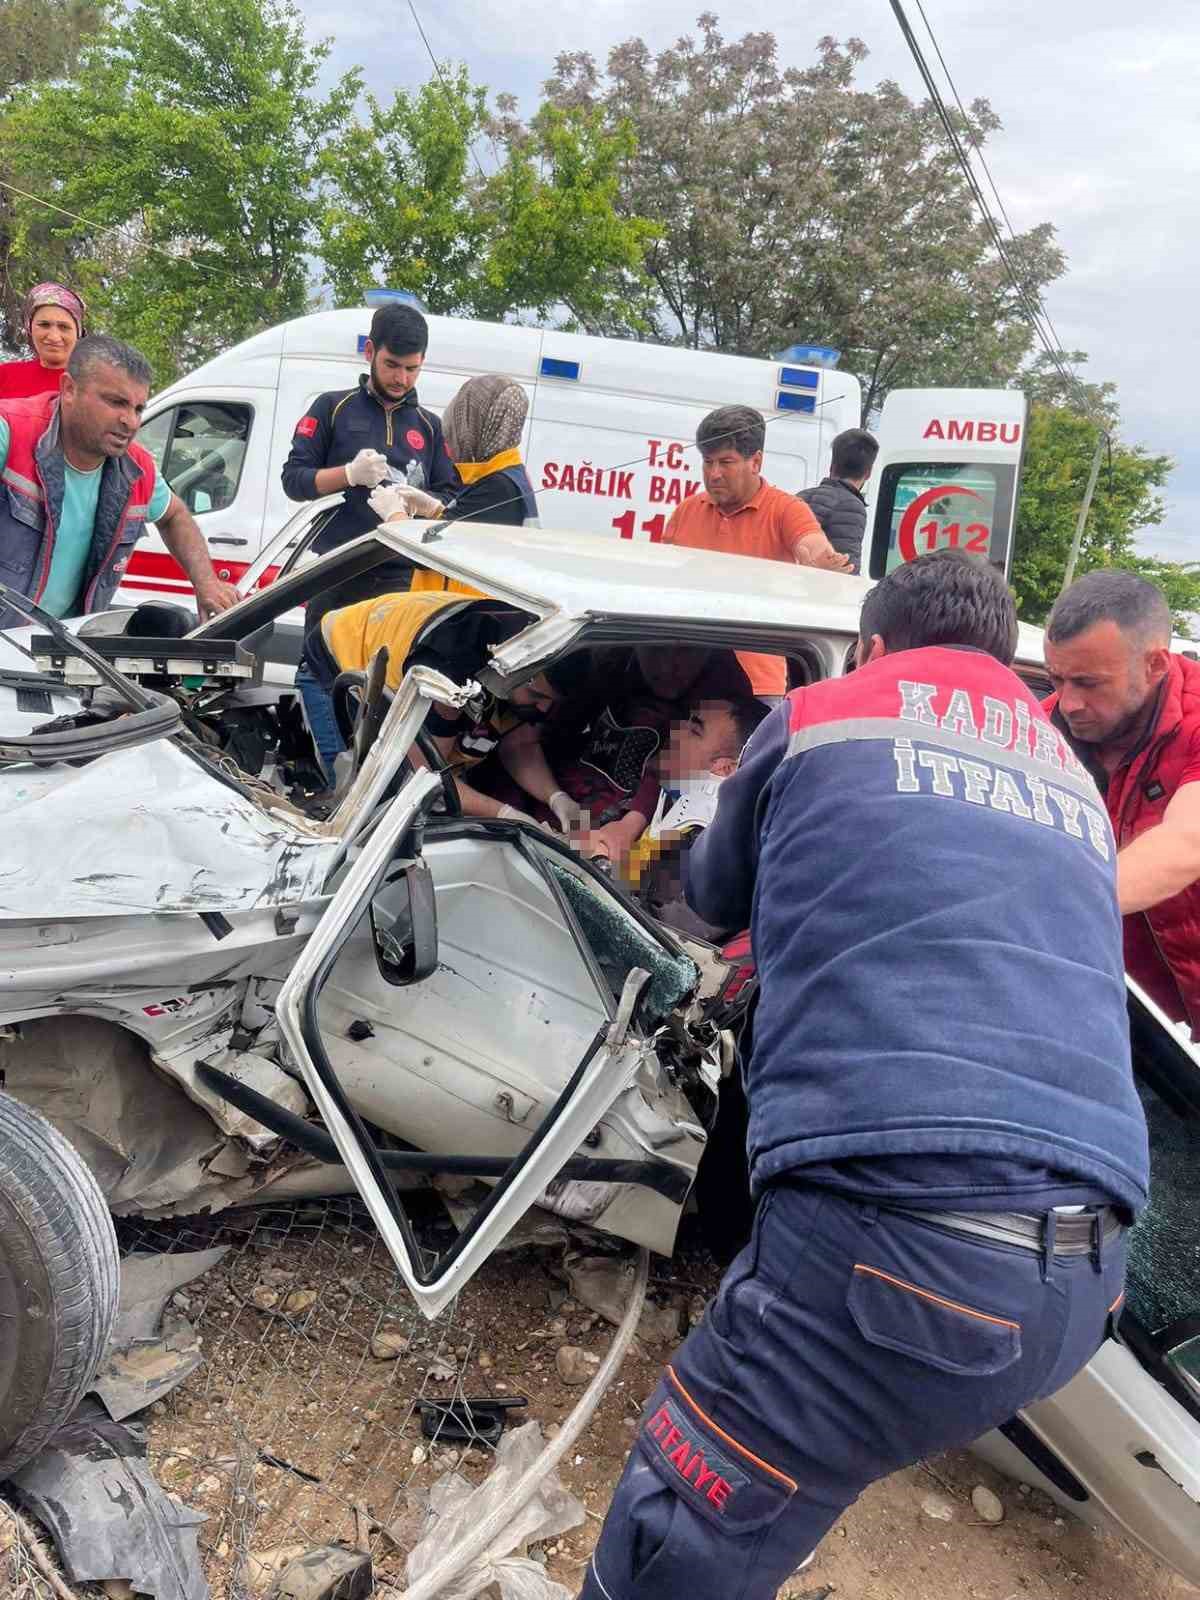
column 215, row 997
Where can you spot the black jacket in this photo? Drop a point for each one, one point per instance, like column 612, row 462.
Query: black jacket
column 337, row 426
column 842, row 512
column 506, row 497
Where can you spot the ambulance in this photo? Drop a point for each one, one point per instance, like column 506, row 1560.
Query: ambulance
column 609, row 442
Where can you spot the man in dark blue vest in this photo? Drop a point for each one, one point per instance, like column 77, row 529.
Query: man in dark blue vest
column 945, row 1142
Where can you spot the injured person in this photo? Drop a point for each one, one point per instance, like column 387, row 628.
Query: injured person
column 608, row 749
column 702, row 751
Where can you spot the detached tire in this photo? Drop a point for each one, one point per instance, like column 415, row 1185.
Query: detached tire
column 59, row 1281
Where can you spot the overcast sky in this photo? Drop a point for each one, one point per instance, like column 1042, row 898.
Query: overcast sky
column 1101, row 114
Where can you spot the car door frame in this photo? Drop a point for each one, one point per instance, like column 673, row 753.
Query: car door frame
column 609, row 1066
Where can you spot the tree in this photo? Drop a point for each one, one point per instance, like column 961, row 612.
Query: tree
column 39, row 39
column 408, row 204
column 793, row 205
column 1059, row 446
column 1044, row 384
column 193, row 128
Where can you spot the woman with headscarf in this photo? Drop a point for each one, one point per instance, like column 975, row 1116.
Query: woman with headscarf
column 54, row 325
column 482, row 426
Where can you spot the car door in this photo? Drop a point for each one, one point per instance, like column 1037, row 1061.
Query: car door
column 445, row 1068
column 1120, row 1444
column 291, row 548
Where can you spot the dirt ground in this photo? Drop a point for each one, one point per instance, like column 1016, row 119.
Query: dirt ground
column 294, row 1430
column 885, row 1547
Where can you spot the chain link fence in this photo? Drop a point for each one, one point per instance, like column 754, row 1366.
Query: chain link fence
column 301, row 1424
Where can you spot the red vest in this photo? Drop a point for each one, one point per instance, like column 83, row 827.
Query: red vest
column 31, row 499
column 1162, row 945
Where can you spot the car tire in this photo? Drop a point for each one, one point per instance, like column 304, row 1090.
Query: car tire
column 59, row 1281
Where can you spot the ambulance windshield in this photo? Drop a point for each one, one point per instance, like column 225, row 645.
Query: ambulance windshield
column 932, row 505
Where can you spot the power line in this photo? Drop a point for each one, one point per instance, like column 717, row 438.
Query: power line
column 437, row 67
column 1032, row 307
column 939, row 105
column 141, row 244
column 982, row 159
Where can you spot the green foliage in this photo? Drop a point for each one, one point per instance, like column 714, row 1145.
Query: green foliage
column 793, row 205
column 38, row 39
column 407, row 204
column 1058, row 453
column 41, row 38
column 191, row 127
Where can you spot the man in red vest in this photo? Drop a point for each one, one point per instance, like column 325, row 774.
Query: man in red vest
column 76, row 491
column 1131, row 710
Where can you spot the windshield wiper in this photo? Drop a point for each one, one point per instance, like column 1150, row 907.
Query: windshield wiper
column 131, row 692
column 151, row 715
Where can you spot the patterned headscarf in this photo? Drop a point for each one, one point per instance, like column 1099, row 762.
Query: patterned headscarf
column 485, row 417
column 54, row 294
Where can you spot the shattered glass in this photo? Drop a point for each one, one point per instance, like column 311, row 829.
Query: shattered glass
column 619, row 943
column 1163, row 1276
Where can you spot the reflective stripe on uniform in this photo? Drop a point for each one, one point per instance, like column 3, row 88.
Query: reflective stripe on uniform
column 22, row 484
column 353, row 634
column 848, row 730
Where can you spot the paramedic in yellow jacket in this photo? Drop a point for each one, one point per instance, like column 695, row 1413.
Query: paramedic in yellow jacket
column 483, row 426
column 455, row 636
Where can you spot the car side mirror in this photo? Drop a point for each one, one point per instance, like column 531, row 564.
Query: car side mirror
column 404, row 924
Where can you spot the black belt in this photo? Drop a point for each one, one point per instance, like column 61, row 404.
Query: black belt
column 1059, row 1233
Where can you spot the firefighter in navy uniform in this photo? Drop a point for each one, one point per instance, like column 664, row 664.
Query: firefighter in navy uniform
column 945, row 1142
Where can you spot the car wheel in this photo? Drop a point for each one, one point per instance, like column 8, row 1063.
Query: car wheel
column 59, row 1281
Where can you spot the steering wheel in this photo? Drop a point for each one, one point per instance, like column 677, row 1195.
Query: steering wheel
column 360, row 703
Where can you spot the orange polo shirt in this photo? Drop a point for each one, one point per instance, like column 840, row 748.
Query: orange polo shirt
column 768, row 526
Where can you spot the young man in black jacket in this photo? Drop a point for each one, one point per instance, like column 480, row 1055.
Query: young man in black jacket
column 350, row 438
column 837, row 501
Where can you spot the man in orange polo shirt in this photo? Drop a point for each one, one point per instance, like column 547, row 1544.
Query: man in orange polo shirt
column 740, row 513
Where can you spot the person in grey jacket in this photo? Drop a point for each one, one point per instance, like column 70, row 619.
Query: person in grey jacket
column 837, row 501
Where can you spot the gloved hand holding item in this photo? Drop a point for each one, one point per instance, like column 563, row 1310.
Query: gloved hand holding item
column 569, row 814
column 388, row 503
column 420, row 502
column 511, row 814
column 368, row 468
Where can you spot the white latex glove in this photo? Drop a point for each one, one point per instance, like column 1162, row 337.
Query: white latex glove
column 420, row 502
column 569, row 814
column 388, row 503
column 368, row 468
column 511, row 814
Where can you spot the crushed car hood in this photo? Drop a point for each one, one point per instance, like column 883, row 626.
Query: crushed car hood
column 147, row 830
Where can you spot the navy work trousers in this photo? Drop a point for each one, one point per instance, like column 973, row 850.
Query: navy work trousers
column 845, row 1342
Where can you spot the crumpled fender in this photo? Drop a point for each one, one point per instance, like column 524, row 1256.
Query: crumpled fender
column 147, row 830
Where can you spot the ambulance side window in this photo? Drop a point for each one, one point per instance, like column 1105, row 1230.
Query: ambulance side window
column 200, row 450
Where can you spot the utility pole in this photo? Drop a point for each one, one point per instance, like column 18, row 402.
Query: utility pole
column 1077, row 541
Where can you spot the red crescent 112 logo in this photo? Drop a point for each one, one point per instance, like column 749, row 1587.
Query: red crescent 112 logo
column 906, row 533
column 415, row 440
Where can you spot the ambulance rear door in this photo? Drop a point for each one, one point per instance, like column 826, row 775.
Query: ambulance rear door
column 946, row 475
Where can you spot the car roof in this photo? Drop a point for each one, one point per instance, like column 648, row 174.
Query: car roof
column 583, row 576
